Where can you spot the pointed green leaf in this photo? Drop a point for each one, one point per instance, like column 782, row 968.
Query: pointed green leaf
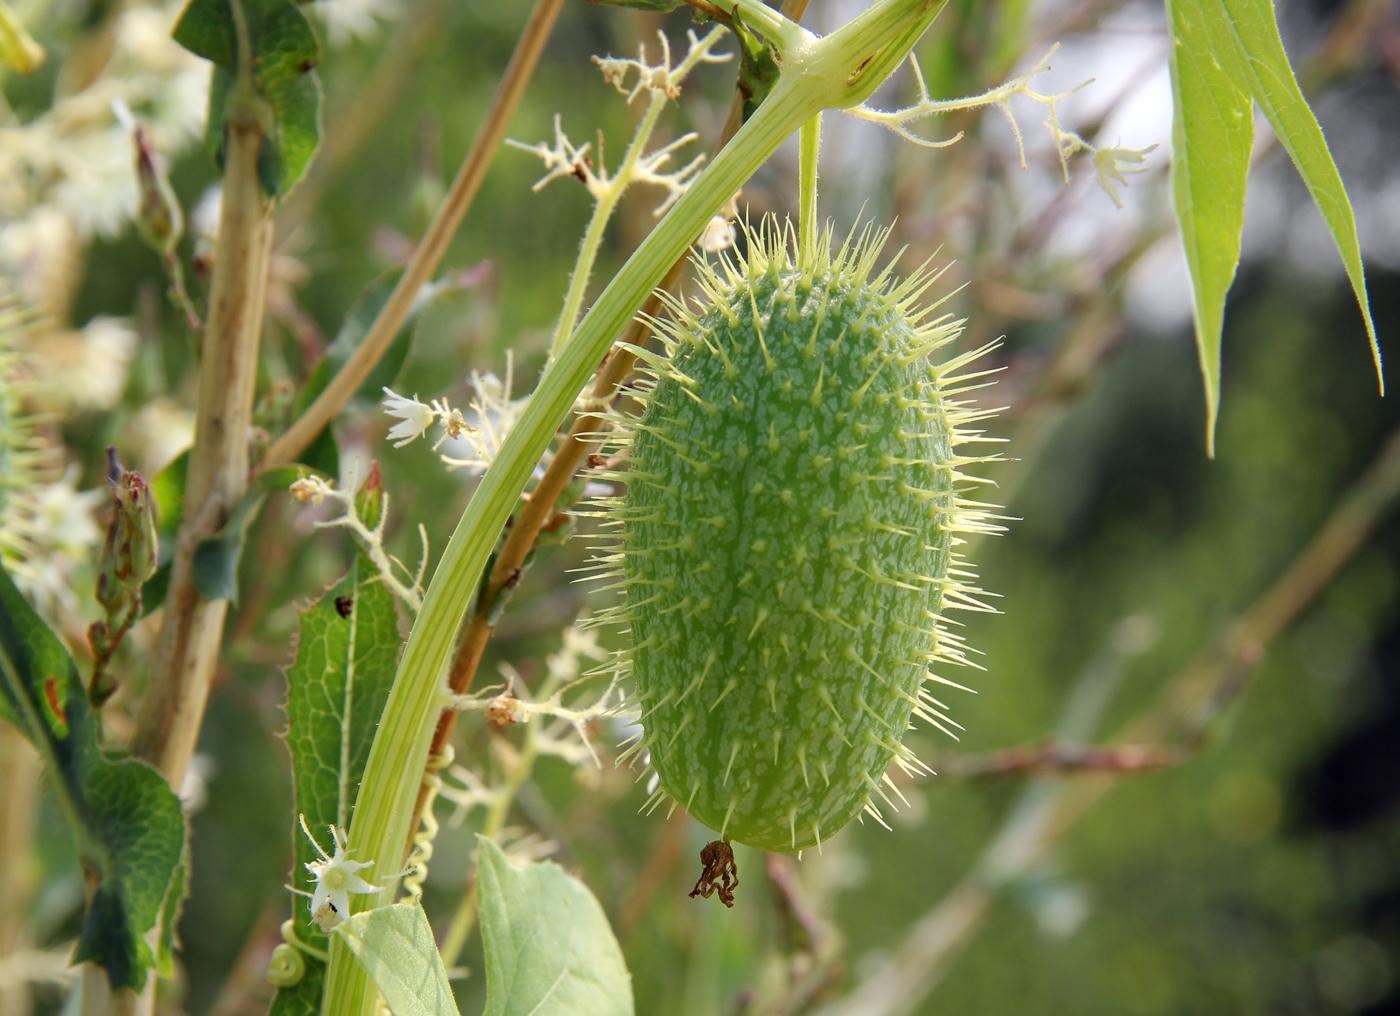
column 1275, row 88
column 347, row 650
column 1212, row 135
column 395, row 946
column 127, row 821
column 284, row 51
column 549, row 949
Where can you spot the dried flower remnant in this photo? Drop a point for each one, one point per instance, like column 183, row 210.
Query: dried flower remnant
column 1107, row 161
column 313, row 490
column 720, row 874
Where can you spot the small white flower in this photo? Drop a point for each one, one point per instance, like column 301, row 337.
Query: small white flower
column 336, row 877
column 415, row 418
column 1111, row 163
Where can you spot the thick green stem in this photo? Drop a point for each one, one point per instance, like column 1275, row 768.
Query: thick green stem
column 831, row 72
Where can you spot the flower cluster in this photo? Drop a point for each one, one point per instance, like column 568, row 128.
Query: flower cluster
column 662, row 82
column 476, row 437
column 566, row 738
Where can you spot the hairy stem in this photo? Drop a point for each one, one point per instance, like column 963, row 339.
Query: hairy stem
column 573, row 449
column 431, row 248
column 831, row 72
column 172, row 708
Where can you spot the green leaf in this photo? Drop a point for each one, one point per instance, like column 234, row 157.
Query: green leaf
column 758, row 67
column 168, row 492
column 395, row 946
column 1225, row 56
column 216, row 558
column 1212, row 136
column 170, row 912
column 127, row 821
column 347, row 649
column 549, row 949
column 286, row 95
column 1275, row 88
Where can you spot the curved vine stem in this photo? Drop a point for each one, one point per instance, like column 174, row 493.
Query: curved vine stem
column 837, row 71
column 539, row 509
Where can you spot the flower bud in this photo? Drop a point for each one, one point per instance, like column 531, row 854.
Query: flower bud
column 129, row 554
column 158, row 217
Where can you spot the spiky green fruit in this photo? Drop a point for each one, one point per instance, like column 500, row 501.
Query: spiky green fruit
column 787, row 540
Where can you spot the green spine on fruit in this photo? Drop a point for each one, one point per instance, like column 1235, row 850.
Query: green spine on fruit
column 787, row 538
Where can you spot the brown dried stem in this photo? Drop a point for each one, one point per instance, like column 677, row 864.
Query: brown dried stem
column 431, row 248
column 172, row 707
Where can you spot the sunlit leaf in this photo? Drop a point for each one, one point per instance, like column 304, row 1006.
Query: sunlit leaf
column 1212, row 135
column 549, row 949
column 1226, row 55
column 1275, row 89
column 395, row 946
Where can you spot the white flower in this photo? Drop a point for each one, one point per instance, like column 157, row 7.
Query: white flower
column 336, row 877
column 495, row 414
column 415, row 418
column 94, row 375
column 719, row 235
column 1111, row 163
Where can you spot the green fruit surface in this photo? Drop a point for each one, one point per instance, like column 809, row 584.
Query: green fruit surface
column 787, row 540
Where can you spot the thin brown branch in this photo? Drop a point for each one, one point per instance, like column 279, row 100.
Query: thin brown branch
column 431, row 248
column 1058, row 758
column 172, row 708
